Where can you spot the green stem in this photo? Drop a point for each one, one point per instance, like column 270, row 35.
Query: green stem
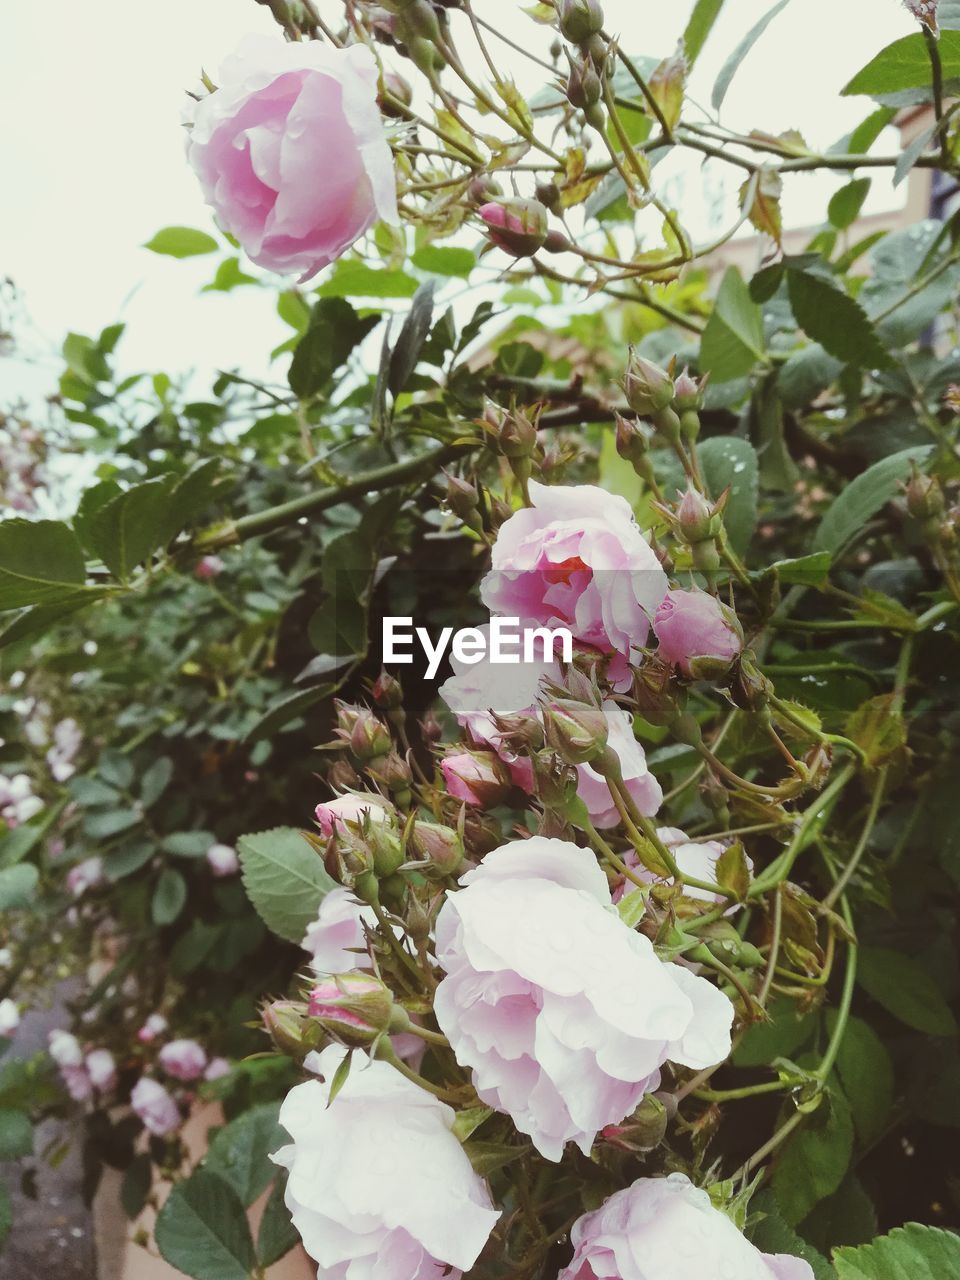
column 778, row 871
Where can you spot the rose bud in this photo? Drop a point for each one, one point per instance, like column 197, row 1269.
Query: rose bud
column 556, row 780
column 387, row 692
column 348, row 713
column 642, row 1131
column 222, row 860
column 154, row 1026
column 654, row 692
column 519, row 732
column 155, row 1107
column 477, row 777
column 483, row 189
column 183, row 1059
column 385, row 848
column 688, row 401
column 576, row 731
column 648, row 388
column 439, row 847
column 924, row 497
column 354, row 1008
column 209, row 567
column 584, row 88
column 396, row 95
column 285, row 1023
column 369, row 737
column 633, row 441
column 517, row 437
column 697, row 633
column 430, row 727
column 580, row 19
column 518, row 227
column 696, row 519
column 393, row 772
column 355, row 808
column 342, row 776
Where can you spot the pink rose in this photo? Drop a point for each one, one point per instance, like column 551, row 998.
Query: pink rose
column 691, row 625
column 77, row 1082
column 183, row 1059
column 697, row 858
column 563, row 1014
column 217, row 1068
column 379, row 1185
column 65, row 1048
column 474, row 777
column 208, row 567
column 102, row 1069
column 519, row 227
column 350, row 807
column 638, row 781
column 577, row 559
column 222, row 860
column 291, row 152
column 155, row 1107
column 668, row 1229
column 336, row 939
column 85, row 875
column 154, row 1026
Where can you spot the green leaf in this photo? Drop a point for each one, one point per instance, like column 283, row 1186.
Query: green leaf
column 187, row 844
column 128, row 529
column 128, row 858
column 866, row 1074
column 847, row 1217
column 155, row 781
column 845, row 204
column 6, row 1214
column 730, row 67
column 17, row 885
column 16, row 1135
column 335, row 329
column 41, row 562
column 413, row 335
column 912, row 1252
column 277, row 1234
column 905, row 64
column 781, row 1037
column 732, row 342
column 831, row 317
column 812, row 1163
column 729, row 462
column 354, row 279
column 864, row 497
column 181, row 242
column 807, row 372
column 202, row 1230
column 16, row 844
column 705, row 14
column 189, row 497
column 772, row 1235
column 287, row 708
column 284, row 878
column 135, row 1188
column 444, row 260
column 898, row 983
column 228, row 276
column 42, row 618
column 100, row 826
column 169, row 897
column 240, row 1151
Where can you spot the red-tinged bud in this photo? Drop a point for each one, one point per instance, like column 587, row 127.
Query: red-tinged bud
column 633, row 441
column 548, row 193
column 556, row 242
column 924, row 495
column 430, row 727
column 688, row 392
column 483, row 189
column 396, row 95
column 481, row 834
column 439, row 847
column 518, row 227
column 386, row 692
column 697, row 519
column 584, row 86
column 463, row 499
column 477, row 777
column 392, row 772
column 354, row 1008
column 655, row 692
column 580, row 19
column 348, row 714
column 517, row 436
column 576, row 731
column 556, row 780
column 519, row 733
column 342, row 776
column 209, row 567
column 648, row 388
column 369, row 737
column 285, row 1022
column 642, row 1131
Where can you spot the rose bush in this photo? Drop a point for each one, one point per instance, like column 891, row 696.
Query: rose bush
column 635, row 963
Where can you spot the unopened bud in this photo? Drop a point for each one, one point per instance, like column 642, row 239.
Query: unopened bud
column 924, row 495
column 519, row 227
column 342, row 776
column 393, row 772
column 548, row 193
column 517, row 437
column 576, row 731
column 439, row 846
column 477, row 777
column 648, row 388
column 482, row 189
column 655, row 692
column 633, row 441
column 697, row 519
column 396, row 94
column 369, row 737
column 387, row 692
column 354, row 1008
column 643, row 1130
column 580, row 19
column 584, row 86
column 285, row 1024
column 518, row 732
column 750, row 689
column 556, row 780
column 463, row 498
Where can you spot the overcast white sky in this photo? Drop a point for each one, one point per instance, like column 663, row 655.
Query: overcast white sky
column 91, row 152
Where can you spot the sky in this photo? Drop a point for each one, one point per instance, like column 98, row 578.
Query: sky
column 92, row 156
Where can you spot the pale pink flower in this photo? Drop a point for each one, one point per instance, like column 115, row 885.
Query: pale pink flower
column 222, row 860
column 155, row 1107
column 693, row 624
column 85, row 875
column 476, row 777
column 64, row 1048
column 563, row 1014
column 576, row 558
column 154, row 1026
column 697, row 858
column 668, row 1229
column 102, row 1069
column 183, row 1059
column 291, row 151
column 9, row 1016
column 217, row 1068
column 351, row 807
column 336, row 939
column 379, row 1185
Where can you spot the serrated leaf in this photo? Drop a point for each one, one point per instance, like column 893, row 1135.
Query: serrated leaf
column 912, row 1252
column 905, row 64
column 831, row 317
column 41, row 562
column 181, row 242
column 760, row 200
column 772, row 1235
column 240, row 1151
column 863, row 497
column 202, row 1230
column 905, row 989
column 732, row 341
column 845, row 204
column 813, row 1161
column 730, row 463
column 126, row 530
column 284, row 878
column 188, row 497
column 732, row 64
